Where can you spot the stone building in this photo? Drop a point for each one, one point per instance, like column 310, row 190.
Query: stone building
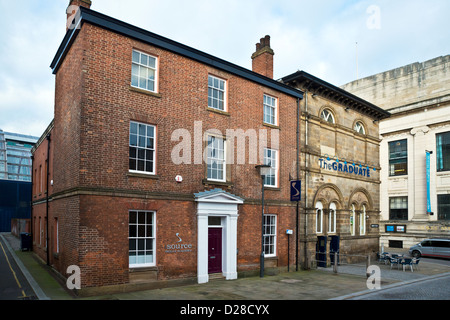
column 414, row 152
column 340, row 170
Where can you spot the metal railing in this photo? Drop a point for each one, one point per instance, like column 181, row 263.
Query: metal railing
column 337, row 260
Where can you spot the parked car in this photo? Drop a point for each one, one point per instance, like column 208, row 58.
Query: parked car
column 431, row 248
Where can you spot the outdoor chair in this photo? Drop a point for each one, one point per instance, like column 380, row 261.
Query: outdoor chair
column 406, row 262
column 393, row 261
column 415, row 262
column 381, row 257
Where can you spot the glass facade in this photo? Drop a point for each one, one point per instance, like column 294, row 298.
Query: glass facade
column 15, row 156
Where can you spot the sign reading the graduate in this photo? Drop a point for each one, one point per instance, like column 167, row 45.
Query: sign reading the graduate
column 345, row 167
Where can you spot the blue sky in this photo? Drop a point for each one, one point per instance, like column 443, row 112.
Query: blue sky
column 318, row 37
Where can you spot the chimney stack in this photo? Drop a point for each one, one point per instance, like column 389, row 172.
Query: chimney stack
column 262, row 59
column 73, row 8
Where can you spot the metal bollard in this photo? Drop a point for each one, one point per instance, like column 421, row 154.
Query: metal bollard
column 367, row 266
column 335, row 263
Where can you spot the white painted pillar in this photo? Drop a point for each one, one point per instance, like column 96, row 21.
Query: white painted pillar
column 230, row 266
column 202, row 249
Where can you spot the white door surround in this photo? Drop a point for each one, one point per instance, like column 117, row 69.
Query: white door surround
column 217, row 203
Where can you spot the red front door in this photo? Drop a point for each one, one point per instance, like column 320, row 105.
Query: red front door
column 214, row 250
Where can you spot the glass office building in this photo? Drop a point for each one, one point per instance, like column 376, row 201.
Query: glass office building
column 15, row 156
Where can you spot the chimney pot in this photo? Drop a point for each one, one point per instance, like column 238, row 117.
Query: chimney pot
column 262, row 59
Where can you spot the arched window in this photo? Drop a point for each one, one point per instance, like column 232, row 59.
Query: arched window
column 362, row 221
column 352, row 220
column 327, row 115
column 332, row 218
column 359, row 127
column 319, row 217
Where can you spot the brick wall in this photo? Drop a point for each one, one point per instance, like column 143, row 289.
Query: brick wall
column 103, row 113
column 93, row 188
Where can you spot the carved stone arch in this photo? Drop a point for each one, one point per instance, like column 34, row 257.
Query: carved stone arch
column 329, row 193
column 360, row 196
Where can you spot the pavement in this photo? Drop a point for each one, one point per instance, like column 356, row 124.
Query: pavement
column 316, row 284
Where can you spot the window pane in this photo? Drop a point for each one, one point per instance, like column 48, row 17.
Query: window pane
column 151, row 62
column 141, row 217
column 141, row 154
column 141, row 141
column 398, row 208
column 151, row 85
column 151, row 74
column 141, row 245
column 132, row 244
column 398, row 158
column 136, row 56
column 133, row 152
column 134, row 70
column 132, row 217
column 144, row 59
column 149, row 166
column 443, row 151
column 444, row 207
column 133, row 140
column 132, row 164
column 134, row 81
column 214, row 221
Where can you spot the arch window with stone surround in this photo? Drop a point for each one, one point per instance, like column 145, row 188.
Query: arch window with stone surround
column 352, row 220
column 327, row 115
column 359, row 127
column 362, row 221
column 319, row 217
column 332, row 218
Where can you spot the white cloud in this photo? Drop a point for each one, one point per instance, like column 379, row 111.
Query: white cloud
column 316, row 36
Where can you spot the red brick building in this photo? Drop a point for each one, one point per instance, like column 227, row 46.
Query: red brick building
column 152, row 158
column 149, row 159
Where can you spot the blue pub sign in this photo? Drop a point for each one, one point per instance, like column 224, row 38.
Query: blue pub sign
column 295, row 190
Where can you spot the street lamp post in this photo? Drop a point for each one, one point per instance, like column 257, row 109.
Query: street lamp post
column 263, row 171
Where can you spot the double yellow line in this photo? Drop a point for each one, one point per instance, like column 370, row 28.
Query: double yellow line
column 14, row 274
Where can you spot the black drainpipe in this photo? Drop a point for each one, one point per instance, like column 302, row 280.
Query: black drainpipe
column 298, row 177
column 31, row 204
column 47, row 197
